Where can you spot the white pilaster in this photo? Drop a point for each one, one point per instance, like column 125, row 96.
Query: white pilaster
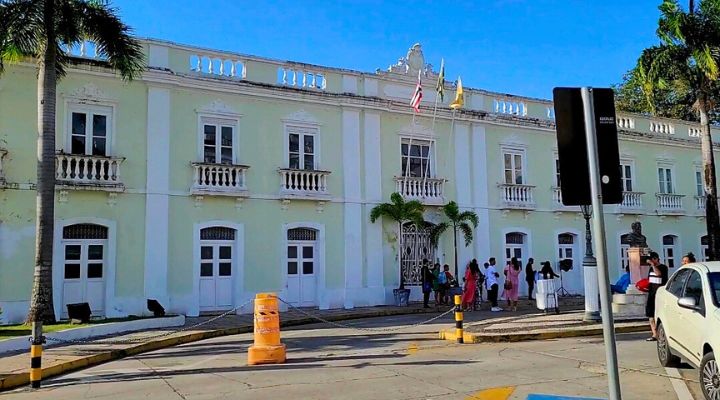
column 373, row 196
column 463, row 181
column 352, row 207
column 156, row 208
column 479, row 185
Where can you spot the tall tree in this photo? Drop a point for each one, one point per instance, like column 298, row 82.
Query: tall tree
column 686, row 67
column 401, row 212
column 458, row 221
column 41, row 29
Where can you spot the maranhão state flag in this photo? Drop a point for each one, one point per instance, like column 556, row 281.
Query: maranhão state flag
column 417, row 96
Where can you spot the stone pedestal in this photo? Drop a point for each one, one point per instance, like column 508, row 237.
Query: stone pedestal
column 632, row 303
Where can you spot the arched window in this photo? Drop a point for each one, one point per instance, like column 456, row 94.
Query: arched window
column 217, row 260
column 515, row 243
column 669, row 250
column 84, row 252
column 705, row 247
column 85, row 231
column 217, row 233
column 302, row 234
column 416, row 246
column 566, row 244
column 624, row 248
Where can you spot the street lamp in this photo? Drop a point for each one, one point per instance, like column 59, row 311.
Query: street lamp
column 592, row 307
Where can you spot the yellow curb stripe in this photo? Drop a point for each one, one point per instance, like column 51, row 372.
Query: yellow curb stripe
column 450, row 335
column 499, row 393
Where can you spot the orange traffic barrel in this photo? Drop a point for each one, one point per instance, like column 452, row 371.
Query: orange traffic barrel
column 267, row 348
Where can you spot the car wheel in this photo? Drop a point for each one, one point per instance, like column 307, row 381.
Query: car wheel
column 710, row 377
column 665, row 355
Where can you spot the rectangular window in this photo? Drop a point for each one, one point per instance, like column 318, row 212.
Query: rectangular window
column 626, row 175
column 513, row 166
column 302, row 149
column 665, row 180
column 218, row 142
column 89, row 132
column 699, row 188
column 557, row 172
column 416, row 158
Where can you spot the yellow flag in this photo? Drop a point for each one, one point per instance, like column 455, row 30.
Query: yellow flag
column 459, row 101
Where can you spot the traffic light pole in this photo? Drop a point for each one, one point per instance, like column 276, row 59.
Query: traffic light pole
column 600, row 245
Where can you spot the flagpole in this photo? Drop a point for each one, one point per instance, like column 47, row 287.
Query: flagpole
column 441, row 81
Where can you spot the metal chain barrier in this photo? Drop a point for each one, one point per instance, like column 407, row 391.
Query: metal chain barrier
column 339, row 325
column 147, row 338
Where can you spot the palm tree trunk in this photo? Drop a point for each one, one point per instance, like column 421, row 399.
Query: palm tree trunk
column 41, row 306
column 399, row 256
column 712, row 218
column 456, row 258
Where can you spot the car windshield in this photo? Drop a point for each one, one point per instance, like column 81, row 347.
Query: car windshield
column 714, row 278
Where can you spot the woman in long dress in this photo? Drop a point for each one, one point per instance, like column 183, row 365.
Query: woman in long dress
column 512, row 283
column 472, row 273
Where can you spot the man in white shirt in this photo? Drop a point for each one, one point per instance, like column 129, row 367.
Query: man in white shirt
column 491, row 284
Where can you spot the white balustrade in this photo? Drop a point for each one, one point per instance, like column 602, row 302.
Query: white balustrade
column 550, row 112
column 303, row 182
column 632, row 200
column 224, row 178
column 557, row 196
column 427, row 190
column 87, row 170
column 625, row 122
column 505, row 106
column 662, row 128
column 669, row 202
column 219, row 65
column 700, row 203
column 301, row 78
column 518, row 196
column 85, row 49
column 694, row 132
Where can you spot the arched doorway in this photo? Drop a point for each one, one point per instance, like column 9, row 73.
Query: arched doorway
column 415, row 245
column 217, row 262
column 84, row 248
column 302, row 260
column 568, row 249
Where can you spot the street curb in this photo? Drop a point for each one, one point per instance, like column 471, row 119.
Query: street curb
column 474, row 338
column 21, row 379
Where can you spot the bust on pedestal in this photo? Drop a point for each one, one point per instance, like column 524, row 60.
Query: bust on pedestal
column 632, row 303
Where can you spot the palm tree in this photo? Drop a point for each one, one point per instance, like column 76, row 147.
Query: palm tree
column 689, row 57
column 401, row 212
column 457, row 221
column 39, row 29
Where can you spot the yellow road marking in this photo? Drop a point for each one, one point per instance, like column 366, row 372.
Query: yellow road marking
column 498, row 393
column 413, row 348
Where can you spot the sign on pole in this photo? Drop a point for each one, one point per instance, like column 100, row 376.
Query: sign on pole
column 572, row 146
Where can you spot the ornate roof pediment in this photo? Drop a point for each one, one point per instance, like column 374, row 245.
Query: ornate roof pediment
column 90, row 91
column 409, row 66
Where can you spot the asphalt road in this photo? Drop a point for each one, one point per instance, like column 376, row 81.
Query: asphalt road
column 337, row 363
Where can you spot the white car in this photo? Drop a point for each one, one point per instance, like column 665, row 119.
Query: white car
column 687, row 311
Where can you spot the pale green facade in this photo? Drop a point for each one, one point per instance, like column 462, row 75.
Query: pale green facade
column 161, row 193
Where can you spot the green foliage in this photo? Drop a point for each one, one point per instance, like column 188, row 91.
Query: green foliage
column 399, row 210
column 23, row 34
column 457, row 221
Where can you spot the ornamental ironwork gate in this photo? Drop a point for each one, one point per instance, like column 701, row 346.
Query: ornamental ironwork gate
column 415, row 245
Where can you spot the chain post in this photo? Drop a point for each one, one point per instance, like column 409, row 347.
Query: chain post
column 458, row 319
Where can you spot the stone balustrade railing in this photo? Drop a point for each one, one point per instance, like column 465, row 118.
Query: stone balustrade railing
column 632, row 200
column 557, row 196
column 700, row 203
column 87, row 170
column 426, row 190
column 625, row 122
column 517, row 196
column 694, row 132
column 663, row 128
column 669, row 202
column 301, row 78
column 85, row 49
column 512, row 107
column 219, row 178
column 218, row 64
column 305, row 183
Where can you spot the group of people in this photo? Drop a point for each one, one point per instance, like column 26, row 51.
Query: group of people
column 440, row 281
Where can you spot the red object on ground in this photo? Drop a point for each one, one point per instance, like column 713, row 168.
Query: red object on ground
column 643, row 285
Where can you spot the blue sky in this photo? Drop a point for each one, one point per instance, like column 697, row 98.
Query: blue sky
column 523, row 47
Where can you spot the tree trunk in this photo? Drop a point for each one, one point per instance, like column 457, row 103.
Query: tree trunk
column 41, row 306
column 400, row 249
column 712, row 218
column 456, row 258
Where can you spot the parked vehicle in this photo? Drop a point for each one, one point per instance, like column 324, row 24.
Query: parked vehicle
column 687, row 311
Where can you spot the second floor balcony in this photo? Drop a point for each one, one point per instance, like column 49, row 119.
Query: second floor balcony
column 516, row 196
column 301, row 183
column 219, row 179
column 430, row 191
column 632, row 203
column 669, row 203
column 88, row 172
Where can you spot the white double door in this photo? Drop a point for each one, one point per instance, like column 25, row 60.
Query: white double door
column 301, row 265
column 572, row 280
column 84, row 270
column 216, row 275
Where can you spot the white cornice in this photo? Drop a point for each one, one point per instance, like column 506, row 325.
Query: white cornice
column 219, row 108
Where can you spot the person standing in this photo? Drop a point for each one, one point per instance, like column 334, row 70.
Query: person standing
column 530, row 277
column 491, row 284
column 658, row 277
column 688, row 258
column 437, row 284
column 472, row 273
column 512, row 279
column 449, row 282
column 427, row 281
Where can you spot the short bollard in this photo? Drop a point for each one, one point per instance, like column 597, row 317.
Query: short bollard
column 36, row 362
column 458, row 319
column 267, row 348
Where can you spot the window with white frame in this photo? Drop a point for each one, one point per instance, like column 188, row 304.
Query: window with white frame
column 705, row 248
column 557, row 172
column 416, row 157
column 665, row 179
column 624, row 249
column 626, row 176
column 699, row 187
column 218, row 140
column 669, row 250
column 89, row 130
column 513, row 167
column 302, row 147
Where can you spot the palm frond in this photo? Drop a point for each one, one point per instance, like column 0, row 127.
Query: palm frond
column 467, row 233
column 469, row 216
column 21, row 30
column 451, row 211
column 101, row 24
column 706, row 62
column 437, row 230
